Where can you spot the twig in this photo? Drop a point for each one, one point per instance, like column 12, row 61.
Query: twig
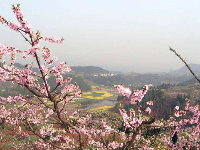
column 55, row 87
column 43, row 103
column 43, row 77
column 24, row 36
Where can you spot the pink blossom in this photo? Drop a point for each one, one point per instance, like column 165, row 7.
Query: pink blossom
column 3, row 50
column 2, row 20
column 113, row 145
column 54, row 40
column 68, row 80
column 176, row 114
column 150, row 103
column 20, row 17
column 123, row 90
column 148, row 110
column 176, row 108
column 52, row 61
column 59, row 80
column 46, row 53
column 25, row 56
column 187, row 106
column 33, row 49
column 13, row 26
column 67, row 69
column 138, row 137
column 194, row 109
column 49, row 112
column 138, row 95
column 188, row 101
column 140, row 121
column 123, row 135
column 45, row 69
column 77, row 94
column 132, row 113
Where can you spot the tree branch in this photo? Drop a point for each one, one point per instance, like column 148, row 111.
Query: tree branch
column 24, row 36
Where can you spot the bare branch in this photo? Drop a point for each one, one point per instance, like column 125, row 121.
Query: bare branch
column 24, row 36
column 55, row 87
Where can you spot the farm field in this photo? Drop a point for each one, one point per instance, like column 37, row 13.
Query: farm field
column 103, row 99
column 97, row 99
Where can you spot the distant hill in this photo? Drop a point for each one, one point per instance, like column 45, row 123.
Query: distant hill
column 184, row 70
column 20, row 66
column 181, row 76
column 188, row 82
column 156, row 79
column 89, row 69
column 137, row 80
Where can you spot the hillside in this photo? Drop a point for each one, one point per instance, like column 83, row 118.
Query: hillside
column 136, row 80
column 165, row 99
column 101, row 76
column 188, row 82
column 184, row 70
column 88, row 69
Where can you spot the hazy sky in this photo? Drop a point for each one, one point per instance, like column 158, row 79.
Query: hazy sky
column 123, row 35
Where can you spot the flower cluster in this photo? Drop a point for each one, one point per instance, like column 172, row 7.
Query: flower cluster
column 20, row 17
column 138, row 95
column 123, row 90
column 54, row 40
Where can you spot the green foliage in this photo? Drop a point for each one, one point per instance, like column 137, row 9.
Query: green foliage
column 181, row 98
column 164, row 86
column 81, row 83
column 108, row 80
column 120, row 97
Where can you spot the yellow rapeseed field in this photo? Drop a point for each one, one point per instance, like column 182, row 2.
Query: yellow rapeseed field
column 100, row 95
column 87, row 93
column 95, row 95
column 103, row 108
column 51, row 103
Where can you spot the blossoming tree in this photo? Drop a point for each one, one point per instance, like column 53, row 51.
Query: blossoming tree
column 54, row 128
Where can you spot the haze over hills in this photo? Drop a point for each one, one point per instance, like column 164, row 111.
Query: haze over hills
column 179, row 72
column 94, row 69
column 88, row 69
column 184, row 70
column 136, row 79
column 188, row 82
column 99, row 75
